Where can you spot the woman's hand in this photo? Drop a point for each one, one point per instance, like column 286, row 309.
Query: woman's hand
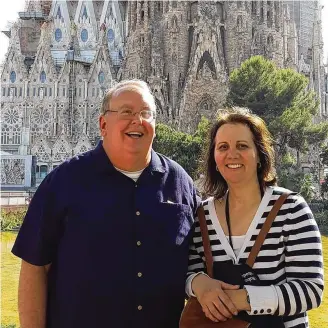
column 215, row 303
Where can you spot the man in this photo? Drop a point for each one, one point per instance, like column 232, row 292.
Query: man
column 105, row 240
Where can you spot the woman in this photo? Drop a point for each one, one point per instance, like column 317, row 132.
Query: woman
column 241, row 179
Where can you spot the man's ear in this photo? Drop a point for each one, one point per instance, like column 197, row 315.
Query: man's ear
column 102, row 125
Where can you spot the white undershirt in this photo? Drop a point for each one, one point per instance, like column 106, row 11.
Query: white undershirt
column 132, row 175
column 237, row 242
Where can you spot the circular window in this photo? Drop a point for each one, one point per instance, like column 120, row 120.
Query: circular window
column 110, row 35
column 11, row 116
column 12, row 76
column 101, row 77
column 58, row 34
column 84, row 35
column 43, row 77
column 40, row 116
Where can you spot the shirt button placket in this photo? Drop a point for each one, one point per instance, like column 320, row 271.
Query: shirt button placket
column 138, row 242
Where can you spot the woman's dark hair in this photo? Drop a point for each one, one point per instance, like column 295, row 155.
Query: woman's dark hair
column 214, row 183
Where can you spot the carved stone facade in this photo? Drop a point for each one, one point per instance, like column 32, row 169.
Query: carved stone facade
column 16, row 170
column 61, row 59
column 64, row 54
column 187, row 49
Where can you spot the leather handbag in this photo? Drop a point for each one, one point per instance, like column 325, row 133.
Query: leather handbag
column 193, row 315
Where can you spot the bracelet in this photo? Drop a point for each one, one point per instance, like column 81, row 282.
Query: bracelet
column 247, row 296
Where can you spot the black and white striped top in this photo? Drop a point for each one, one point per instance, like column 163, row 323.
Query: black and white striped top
column 290, row 258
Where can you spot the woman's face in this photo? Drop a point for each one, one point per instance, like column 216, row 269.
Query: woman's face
column 235, row 154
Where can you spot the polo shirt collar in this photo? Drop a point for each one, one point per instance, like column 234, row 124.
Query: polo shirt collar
column 156, row 164
column 104, row 163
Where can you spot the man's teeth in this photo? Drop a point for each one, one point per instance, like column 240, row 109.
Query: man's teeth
column 234, row 166
column 135, row 134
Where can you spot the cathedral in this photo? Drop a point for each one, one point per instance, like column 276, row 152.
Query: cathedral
column 63, row 55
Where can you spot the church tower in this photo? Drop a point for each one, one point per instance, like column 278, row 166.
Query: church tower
column 186, row 50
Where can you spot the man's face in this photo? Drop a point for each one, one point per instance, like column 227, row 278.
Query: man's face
column 128, row 136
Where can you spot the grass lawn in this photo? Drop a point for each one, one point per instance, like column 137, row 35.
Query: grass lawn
column 9, row 283
column 319, row 317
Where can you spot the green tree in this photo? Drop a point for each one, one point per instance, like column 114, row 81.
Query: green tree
column 290, row 176
column 281, row 98
column 184, row 148
column 324, row 155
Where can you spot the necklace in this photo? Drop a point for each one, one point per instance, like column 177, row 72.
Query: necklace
column 227, row 214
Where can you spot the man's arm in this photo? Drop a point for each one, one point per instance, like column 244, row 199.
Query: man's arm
column 32, row 295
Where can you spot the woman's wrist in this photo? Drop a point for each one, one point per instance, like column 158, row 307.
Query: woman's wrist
column 240, row 299
column 197, row 283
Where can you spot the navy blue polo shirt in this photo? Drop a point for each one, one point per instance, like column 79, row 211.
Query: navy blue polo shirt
column 118, row 249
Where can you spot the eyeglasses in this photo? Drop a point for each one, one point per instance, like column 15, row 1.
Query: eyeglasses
column 127, row 114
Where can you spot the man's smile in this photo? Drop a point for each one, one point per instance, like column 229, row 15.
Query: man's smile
column 134, row 135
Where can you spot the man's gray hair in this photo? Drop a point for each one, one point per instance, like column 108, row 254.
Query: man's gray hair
column 127, row 85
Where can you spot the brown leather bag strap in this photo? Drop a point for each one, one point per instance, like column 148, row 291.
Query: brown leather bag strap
column 206, row 241
column 265, row 229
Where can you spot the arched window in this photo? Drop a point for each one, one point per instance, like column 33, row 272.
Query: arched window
column 16, row 135
column 270, row 41
column 270, row 46
column 43, row 77
column 58, row 34
column 254, row 7
column 5, row 135
column 59, row 13
column 35, row 132
column 85, row 14
column 84, row 35
column 12, row 76
column 239, row 24
column 277, row 14
column 174, row 22
column 205, row 105
column 43, row 171
column 110, row 35
column 101, row 77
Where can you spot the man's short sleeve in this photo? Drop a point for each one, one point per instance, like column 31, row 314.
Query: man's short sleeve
column 42, row 227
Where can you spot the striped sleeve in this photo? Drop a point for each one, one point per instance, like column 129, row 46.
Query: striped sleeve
column 195, row 262
column 303, row 288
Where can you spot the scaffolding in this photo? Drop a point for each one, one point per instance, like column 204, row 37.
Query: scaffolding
column 25, row 15
column 36, row 9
